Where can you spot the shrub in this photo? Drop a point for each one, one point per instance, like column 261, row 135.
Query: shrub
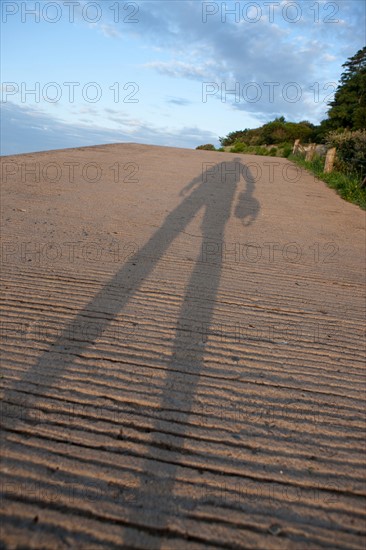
column 351, row 150
column 207, row 147
column 233, row 137
column 273, row 133
column 239, row 147
column 261, row 151
column 287, row 150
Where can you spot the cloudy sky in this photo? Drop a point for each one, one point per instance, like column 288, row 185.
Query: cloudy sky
column 167, row 72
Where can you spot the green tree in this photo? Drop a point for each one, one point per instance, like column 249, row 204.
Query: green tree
column 232, row 137
column 348, row 108
column 275, row 132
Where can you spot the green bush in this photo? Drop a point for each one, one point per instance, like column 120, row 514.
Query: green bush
column 351, row 150
column 233, row 137
column 207, row 147
column 239, row 147
column 275, row 132
column 287, row 150
column 261, row 151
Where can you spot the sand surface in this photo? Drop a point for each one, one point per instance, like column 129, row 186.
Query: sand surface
column 182, row 353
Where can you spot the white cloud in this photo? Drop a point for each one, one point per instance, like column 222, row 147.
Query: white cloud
column 329, row 57
column 180, row 69
column 110, row 31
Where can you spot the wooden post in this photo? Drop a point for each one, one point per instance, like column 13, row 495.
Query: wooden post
column 329, row 160
column 310, row 152
column 296, row 146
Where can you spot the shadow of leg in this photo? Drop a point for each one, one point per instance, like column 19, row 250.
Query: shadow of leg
column 166, row 456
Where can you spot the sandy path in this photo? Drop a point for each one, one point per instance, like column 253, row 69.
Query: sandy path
column 182, row 353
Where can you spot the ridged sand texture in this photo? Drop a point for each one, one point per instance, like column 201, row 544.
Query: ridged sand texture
column 182, row 353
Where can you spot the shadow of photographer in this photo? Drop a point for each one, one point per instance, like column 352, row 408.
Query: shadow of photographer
column 213, row 191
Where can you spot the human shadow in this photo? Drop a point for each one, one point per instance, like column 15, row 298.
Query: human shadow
column 214, row 191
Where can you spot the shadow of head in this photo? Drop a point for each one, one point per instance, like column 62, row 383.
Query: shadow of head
column 218, row 182
column 247, row 206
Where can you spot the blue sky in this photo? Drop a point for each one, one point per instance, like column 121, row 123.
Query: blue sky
column 160, row 72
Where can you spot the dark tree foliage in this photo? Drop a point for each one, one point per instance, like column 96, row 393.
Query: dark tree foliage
column 348, row 109
column 207, row 147
column 275, row 132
